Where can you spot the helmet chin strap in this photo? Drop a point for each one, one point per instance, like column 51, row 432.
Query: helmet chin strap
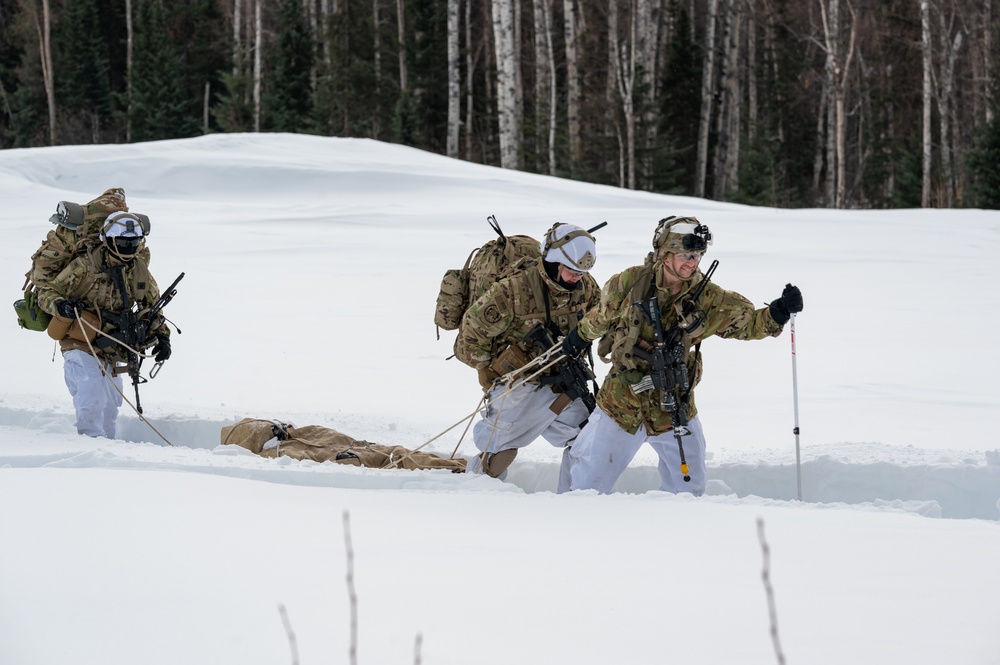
column 113, row 250
column 668, row 269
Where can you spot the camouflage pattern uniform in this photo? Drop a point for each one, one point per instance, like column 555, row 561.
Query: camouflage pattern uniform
column 625, row 420
column 513, row 307
column 87, row 277
column 500, row 319
column 726, row 314
column 88, row 368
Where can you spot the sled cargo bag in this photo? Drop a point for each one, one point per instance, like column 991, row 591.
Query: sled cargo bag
column 271, row 438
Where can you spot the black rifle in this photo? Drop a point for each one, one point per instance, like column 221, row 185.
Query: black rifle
column 134, row 328
column 571, row 374
column 668, row 373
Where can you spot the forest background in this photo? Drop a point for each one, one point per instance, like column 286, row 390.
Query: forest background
column 790, row 103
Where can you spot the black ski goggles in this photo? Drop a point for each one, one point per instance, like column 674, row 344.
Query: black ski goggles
column 126, row 244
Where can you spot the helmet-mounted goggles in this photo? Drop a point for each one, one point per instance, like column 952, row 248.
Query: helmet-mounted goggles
column 684, row 234
column 695, row 237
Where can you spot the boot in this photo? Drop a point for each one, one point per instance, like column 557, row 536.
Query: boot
column 494, row 464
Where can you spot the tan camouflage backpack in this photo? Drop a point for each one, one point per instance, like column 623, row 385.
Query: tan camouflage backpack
column 486, row 265
column 78, row 231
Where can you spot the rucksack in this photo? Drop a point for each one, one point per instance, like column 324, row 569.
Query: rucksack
column 485, row 266
column 78, row 231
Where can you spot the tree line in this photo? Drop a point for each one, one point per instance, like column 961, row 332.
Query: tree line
column 795, row 103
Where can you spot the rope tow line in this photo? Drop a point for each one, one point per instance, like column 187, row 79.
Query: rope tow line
column 105, row 373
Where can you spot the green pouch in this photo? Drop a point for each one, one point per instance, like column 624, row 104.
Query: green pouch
column 29, row 315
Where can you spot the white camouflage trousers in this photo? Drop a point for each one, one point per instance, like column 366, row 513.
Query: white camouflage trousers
column 94, row 398
column 522, row 415
column 603, row 450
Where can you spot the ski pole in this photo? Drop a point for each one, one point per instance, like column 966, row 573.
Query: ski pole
column 685, row 471
column 795, row 401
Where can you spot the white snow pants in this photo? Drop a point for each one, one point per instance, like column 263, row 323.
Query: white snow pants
column 94, row 398
column 603, row 450
column 516, row 419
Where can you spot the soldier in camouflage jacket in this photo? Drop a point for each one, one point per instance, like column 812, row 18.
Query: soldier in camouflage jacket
column 86, row 290
column 554, row 292
column 630, row 412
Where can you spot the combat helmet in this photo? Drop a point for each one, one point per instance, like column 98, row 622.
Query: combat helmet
column 680, row 234
column 571, row 246
column 123, row 234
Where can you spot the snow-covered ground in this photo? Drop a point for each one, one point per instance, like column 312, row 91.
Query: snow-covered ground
column 312, row 265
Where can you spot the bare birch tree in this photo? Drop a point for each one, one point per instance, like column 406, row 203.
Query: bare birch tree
column 707, row 95
column 751, row 72
column 237, row 34
column 925, row 44
column 770, row 39
column 571, row 23
column 43, row 29
column 518, row 76
column 545, row 82
column 647, row 42
column 404, row 84
column 838, row 67
column 551, row 59
column 469, row 72
column 377, row 45
column 454, row 118
column 258, row 49
column 623, row 66
column 822, row 144
column 988, row 64
column 949, row 45
column 129, row 35
column 504, row 43
column 725, row 162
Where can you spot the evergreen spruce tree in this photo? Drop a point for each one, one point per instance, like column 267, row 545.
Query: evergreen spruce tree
column 429, row 75
column 83, row 89
column 289, row 97
column 24, row 111
column 159, row 108
column 680, row 97
column 351, row 97
column 909, row 184
column 984, row 165
column 201, row 40
column 405, row 121
column 10, row 57
column 234, row 110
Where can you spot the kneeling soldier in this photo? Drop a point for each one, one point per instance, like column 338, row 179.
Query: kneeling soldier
column 499, row 334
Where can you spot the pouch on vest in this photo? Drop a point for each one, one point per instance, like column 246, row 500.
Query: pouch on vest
column 512, row 358
column 60, row 327
column 451, row 300
column 29, row 315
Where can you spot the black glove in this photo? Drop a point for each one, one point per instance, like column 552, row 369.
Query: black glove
column 162, row 349
column 789, row 303
column 69, row 307
column 573, row 345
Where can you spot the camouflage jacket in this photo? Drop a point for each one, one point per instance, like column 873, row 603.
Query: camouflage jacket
column 513, row 306
column 619, row 320
column 88, row 277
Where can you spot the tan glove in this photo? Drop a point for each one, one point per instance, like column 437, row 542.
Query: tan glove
column 487, row 377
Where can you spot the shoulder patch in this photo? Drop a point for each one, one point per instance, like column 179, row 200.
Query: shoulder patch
column 491, row 314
